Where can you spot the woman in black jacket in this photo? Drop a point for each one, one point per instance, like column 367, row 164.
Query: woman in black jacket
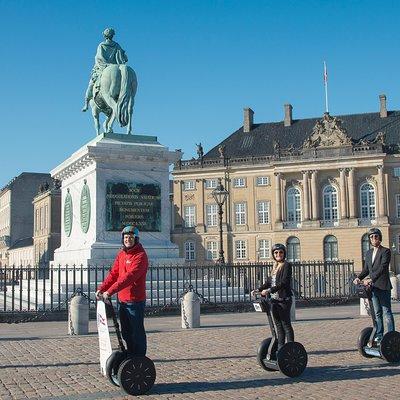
column 278, row 286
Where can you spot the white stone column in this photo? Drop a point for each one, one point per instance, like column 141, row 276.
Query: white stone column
column 352, row 198
column 278, row 203
column 343, row 211
column 306, row 207
column 315, row 195
column 381, row 193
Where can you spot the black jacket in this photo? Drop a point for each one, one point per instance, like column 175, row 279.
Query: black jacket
column 378, row 271
column 283, row 282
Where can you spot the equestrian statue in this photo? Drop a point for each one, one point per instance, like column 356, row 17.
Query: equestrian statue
column 112, row 86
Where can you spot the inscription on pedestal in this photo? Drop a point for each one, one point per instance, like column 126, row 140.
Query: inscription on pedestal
column 68, row 214
column 85, row 208
column 133, row 204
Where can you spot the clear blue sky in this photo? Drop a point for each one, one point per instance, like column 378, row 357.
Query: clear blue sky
column 198, row 64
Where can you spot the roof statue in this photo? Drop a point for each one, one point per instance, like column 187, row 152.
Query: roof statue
column 328, row 132
column 112, row 86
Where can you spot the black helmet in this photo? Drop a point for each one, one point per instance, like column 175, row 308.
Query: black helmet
column 278, row 246
column 130, row 229
column 375, row 231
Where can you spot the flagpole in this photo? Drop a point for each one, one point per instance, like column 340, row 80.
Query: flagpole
column 326, row 88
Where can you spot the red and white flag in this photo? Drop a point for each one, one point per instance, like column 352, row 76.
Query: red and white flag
column 325, row 74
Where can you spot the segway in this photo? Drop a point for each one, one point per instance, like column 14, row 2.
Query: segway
column 135, row 375
column 291, row 359
column 389, row 347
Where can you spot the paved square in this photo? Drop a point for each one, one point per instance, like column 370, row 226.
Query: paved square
column 39, row 361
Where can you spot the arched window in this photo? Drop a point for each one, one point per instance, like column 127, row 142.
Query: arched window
column 293, row 205
column 367, row 201
column 330, row 248
column 293, row 248
column 365, row 245
column 330, row 203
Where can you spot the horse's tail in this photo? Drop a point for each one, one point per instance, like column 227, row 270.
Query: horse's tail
column 127, row 91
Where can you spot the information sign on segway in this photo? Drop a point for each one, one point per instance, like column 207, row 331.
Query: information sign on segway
column 135, row 375
column 291, row 359
column 389, row 346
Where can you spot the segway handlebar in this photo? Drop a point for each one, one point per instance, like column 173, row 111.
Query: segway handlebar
column 364, row 291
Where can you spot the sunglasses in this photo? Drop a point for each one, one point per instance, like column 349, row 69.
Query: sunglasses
column 374, row 236
column 279, row 252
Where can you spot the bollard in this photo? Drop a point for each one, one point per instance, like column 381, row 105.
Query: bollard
column 293, row 309
column 78, row 316
column 394, row 280
column 190, row 310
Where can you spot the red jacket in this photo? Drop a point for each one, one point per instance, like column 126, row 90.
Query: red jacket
column 128, row 275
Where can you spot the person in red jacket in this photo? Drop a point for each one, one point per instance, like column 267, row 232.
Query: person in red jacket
column 127, row 278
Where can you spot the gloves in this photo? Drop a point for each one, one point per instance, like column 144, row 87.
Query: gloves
column 99, row 295
column 106, row 297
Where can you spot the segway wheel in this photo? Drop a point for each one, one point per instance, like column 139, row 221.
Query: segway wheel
column 262, row 353
column 390, row 347
column 112, row 365
column 137, row 375
column 292, row 359
column 363, row 341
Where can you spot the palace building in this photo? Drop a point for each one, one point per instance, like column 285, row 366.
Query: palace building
column 317, row 185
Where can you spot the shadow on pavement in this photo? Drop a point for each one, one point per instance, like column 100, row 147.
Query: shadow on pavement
column 311, row 375
column 47, row 365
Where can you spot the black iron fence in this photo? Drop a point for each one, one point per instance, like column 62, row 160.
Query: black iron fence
column 49, row 288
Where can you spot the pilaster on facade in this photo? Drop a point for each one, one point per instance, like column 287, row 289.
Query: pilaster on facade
column 351, row 188
column 314, row 195
column 342, row 184
column 278, row 197
column 381, row 193
column 306, row 209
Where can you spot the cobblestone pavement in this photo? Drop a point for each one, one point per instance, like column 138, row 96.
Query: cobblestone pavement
column 39, row 361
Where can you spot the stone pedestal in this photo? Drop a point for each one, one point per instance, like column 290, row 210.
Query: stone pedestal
column 112, row 181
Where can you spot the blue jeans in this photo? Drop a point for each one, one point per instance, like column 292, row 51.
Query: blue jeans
column 382, row 305
column 131, row 316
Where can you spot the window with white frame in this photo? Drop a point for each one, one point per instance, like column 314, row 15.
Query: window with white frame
column 367, row 200
column 211, row 250
column 190, row 250
column 241, row 249
column 264, row 248
column 293, row 205
column 330, row 203
column 189, row 216
column 293, row 249
column 330, row 248
column 398, row 205
column 239, row 182
column 240, row 213
column 396, row 171
column 46, row 216
column 189, row 185
column 262, row 180
column 210, row 183
column 263, row 212
column 365, row 245
column 211, row 214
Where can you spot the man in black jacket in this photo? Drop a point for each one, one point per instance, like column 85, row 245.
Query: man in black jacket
column 376, row 265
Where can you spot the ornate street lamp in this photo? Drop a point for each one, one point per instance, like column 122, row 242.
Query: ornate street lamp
column 220, row 194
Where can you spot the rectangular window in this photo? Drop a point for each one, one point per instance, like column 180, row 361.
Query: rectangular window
column 262, row 181
column 37, row 220
column 211, row 214
column 190, row 251
column 241, row 249
column 398, row 205
column 240, row 213
column 263, row 212
column 46, row 216
column 264, row 250
column 212, row 250
column 211, row 183
column 396, row 171
column 239, row 182
column 189, row 185
column 189, row 216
